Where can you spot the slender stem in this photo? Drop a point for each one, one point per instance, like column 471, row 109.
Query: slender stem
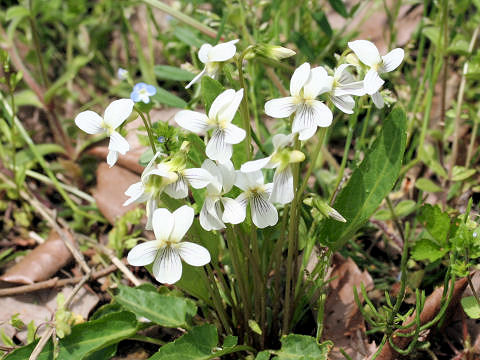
column 217, row 300
column 291, row 245
column 182, row 17
column 461, row 93
column 473, row 135
column 147, row 339
column 244, row 105
column 149, row 130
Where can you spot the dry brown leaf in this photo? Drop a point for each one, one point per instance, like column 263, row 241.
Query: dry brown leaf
column 41, row 263
column 344, row 324
column 40, row 306
column 110, row 191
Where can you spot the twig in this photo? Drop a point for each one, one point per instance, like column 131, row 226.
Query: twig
column 55, row 282
column 121, row 266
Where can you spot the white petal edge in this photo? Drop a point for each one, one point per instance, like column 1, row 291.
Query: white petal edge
column 372, row 82
column 234, row 134
column 366, row 52
column 177, row 189
column 203, row 52
column 143, row 254
column 135, row 192
column 393, row 59
column 233, row 211
column 90, row 122
column 217, row 148
column 183, row 219
column 282, row 191
column 167, row 267
column 162, row 223
column 196, row 78
column 194, row 254
column 220, row 102
column 117, row 112
column 378, row 100
column 263, row 212
column 112, row 157
column 255, row 165
column 227, row 113
column 344, row 103
column 299, row 78
column 222, row 52
column 198, row 178
column 118, row 143
column 192, row 121
column 317, row 83
column 280, row 108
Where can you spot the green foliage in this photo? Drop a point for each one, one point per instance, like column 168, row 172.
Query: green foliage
column 121, row 237
column 302, row 347
column 167, row 98
column 166, row 72
column 169, row 311
column 471, row 307
column 369, row 184
column 85, row 339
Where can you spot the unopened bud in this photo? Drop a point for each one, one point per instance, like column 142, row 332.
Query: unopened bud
column 296, row 156
column 122, row 74
column 352, row 59
column 274, row 52
column 328, row 211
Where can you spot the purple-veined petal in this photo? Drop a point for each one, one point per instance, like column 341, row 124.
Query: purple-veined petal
column 263, row 212
column 209, row 219
column 344, row 103
column 217, row 148
column 177, row 189
column 282, row 191
column 167, row 267
column 198, row 178
column 280, row 108
column 143, row 254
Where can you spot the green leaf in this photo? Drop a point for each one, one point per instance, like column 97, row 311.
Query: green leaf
column 339, row 7
column 167, row 98
column 72, row 70
column 322, row 22
column 433, row 34
column 460, row 173
column 197, row 344
column 27, row 97
column 436, row 222
column 211, row 88
column 16, row 12
column 369, row 183
column 26, row 155
column 106, row 353
column 86, row 338
column 188, row 37
column 263, row 355
column 166, row 72
column 402, row 209
column 169, row 311
column 426, row 249
column 427, row 185
column 301, row 347
column 230, row 341
column 471, row 307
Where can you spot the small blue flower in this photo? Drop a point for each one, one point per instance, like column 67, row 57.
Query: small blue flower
column 122, row 74
column 142, row 92
column 161, row 139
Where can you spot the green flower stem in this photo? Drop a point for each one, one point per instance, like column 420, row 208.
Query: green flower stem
column 472, row 139
column 44, row 165
column 261, row 283
column 291, row 244
column 351, row 127
column 147, row 339
column 217, row 300
column 244, row 105
column 149, row 130
column 182, row 17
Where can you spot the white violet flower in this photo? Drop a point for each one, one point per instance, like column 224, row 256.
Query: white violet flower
column 219, row 118
column 217, row 209
column 282, row 157
column 342, row 86
column 369, row 55
column 306, row 84
column 115, row 114
column 167, row 250
column 212, row 56
column 257, row 194
column 170, row 177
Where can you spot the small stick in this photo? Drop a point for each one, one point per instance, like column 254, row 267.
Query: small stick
column 121, row 266
column 55, row 282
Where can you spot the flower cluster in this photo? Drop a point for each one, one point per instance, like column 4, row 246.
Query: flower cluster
column 312, row 90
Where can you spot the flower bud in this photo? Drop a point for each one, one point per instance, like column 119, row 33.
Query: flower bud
column 327, row 210
column 274, row 52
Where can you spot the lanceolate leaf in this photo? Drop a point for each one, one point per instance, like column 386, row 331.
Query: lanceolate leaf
column 369, row 184
column 86, row 338
column 170, row 311
column 302, row 347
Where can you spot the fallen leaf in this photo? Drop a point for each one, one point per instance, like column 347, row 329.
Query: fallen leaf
column 110, row 191
column 41, row 263
column 343, row 323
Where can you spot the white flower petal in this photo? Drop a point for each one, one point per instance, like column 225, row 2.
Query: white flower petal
column 312, row 115
column 228, row 175
column 162, row 223
column 227, row 113
column 192, row 121
column 372, row 82
column 299, row 78
column 234, row 134
column 263, row 212
column 198, row 178
column 143, row 254
column 340, row 72
column 378, row 100
column 306, row 134
column 209, row 219
column 223, row 52
column 222, row 101
column 183, row 219
column 217, row 147
column 177, row 189
column 118, row 143
column 149, row 166
column 281, row 140
column 196, row 78
column 280, row 108
column 167, row 267
column 150, row 209
column 117, row 112
column 245, row 181
column 352, row 88
column 282, row 191
column 90, row 122
column 344, row 103
column 233, row 211
column 393, row 59
column 136, row 193
column 366, row 52
column 112, row 157
column 203, row 52
column 194, row 254
column 255, row 165
column 317, row 83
